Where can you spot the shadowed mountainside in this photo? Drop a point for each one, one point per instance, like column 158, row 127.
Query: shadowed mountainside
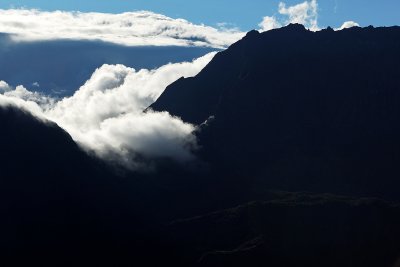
column 301, row 110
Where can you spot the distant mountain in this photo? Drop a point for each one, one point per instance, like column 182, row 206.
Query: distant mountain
column 300, row 110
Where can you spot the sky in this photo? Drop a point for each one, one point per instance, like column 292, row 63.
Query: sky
column 243, row 14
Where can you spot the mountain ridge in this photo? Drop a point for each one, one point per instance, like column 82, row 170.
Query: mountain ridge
column 253, row 40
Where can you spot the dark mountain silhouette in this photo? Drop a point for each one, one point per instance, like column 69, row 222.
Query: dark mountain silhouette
column 298, row 166
column 301, row 110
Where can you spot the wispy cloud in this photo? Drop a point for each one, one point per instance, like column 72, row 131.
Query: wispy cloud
column 336, row 7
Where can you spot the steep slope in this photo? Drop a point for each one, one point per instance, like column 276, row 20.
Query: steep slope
column 301, row 110
column 31, row 147
column 61, row 207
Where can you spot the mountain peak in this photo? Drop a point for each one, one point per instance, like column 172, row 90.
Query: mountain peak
column 252, row 33
column 294, row 27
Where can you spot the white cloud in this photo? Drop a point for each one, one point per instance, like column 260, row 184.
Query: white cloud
column 22, row 93
column 139, row 28
column 348, row 24
column 4, row 87
column 27, row 105
column 305, row 13
column 105, row 115
column 269, row 23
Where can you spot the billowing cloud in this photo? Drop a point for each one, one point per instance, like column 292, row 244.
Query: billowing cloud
column 348, row 24
column 4, row 87
column 141, row 28
column 106, row 115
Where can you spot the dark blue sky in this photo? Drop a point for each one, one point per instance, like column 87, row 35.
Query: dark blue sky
column 245, row 14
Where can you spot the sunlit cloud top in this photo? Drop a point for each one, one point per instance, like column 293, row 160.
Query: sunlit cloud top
column 141, row 28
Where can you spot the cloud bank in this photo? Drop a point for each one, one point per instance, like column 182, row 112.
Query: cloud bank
column 141, row 28
column 106, row 115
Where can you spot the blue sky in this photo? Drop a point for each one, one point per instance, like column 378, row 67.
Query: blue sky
column 244, row 14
